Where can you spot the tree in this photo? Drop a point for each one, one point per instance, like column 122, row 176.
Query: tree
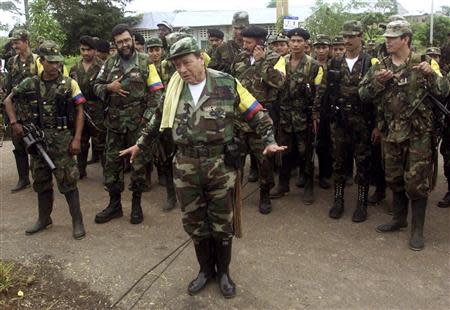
column 327, row 18
column 10, row 7
column 272, row 4
column 421, row 31
column 43, row 23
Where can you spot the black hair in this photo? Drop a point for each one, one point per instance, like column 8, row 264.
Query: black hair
column 88, row 41
column 119, row 29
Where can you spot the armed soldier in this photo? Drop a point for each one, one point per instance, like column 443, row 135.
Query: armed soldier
column 215, row 39
column 53, row 103
column 338, row 46
column 352, row 121
column 84, row 72
column 164, row 29
column 200, row 112
column 402, row 83
column 155, row 51
column 263, row 74
column 304, row 75
column 280, row 44
column 131, row 88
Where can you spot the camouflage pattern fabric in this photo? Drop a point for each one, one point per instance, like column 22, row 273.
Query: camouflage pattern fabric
column 445, row 56
column 224, row 56
column 445, row 151
column 405, row 117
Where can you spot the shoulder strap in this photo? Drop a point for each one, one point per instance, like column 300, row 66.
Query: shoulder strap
column 37, row 86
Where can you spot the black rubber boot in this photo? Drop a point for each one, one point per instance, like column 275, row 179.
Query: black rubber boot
column 171, row 200
column 360, row 213
column 308, row 192
column 45, row 207
column 73, row 200
column 265, row 207
column 418, row 209
column 95, row 158
column 205, row 257
column 136, row 216
column 223, row 259
column 378, row 196
column 338, row 207
column 445, row 202
column 22, row 170
column 113, row 210
column 281, row 189
column 82, row 163
column 399, row 214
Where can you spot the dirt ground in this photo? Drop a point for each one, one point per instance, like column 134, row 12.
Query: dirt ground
column 294, row 258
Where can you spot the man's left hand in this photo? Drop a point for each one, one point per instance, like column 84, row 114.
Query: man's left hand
column 425, row 67
column 75, row 147
column 259, row 52
column 274, row 148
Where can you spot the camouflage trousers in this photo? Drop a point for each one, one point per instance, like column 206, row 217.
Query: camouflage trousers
column 251, row 143
column 445, row 151
column 205, row 191
column 355, row 132
column 114, row 165
column 66, row 172
column 408, row 165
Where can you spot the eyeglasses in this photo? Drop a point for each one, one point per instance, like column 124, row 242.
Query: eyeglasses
column 126, row 41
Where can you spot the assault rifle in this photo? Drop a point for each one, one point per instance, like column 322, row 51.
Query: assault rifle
column 35, row 144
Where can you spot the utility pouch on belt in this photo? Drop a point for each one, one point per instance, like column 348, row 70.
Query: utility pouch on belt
column 233, row 154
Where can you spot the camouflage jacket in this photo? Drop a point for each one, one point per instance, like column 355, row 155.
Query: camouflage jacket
column 167, row 70
column 144, row 85
column 211, row 121
column 297, row 95
column 224, row 56
column 403, row 109
column 18, row 70
column 86, row 79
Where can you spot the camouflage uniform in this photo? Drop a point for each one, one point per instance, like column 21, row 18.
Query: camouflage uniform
column 405, row 117
column 445, row 55
column 94, row 108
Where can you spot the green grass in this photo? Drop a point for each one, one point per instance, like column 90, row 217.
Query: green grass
column 10, row 276
column 69, row 61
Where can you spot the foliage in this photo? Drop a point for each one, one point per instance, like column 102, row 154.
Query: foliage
column 44, row 24
column 421, row 31
column 10, row 7
column 69, row 61
column 271, row 4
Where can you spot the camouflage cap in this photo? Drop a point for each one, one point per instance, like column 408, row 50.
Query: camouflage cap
column 397, row 28
column 433, row 51
column 240, row 19
column 352, row 28
column 187, row 30
column 280, row 38
column 393, row 18
column 322, row 39
column 338, row 40
column 173, row 37
column 165, row 24
column 50, row 51
column 20, row 34
column 183, row 47
column 154, row 42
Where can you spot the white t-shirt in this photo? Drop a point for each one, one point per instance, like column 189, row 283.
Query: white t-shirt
column 196, row 90
column 351, row 62
column 252, row 60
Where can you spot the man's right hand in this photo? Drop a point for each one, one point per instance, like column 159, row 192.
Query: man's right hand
column 131, row 151
column 383, row 76
column 116, row 87
column 17, row 129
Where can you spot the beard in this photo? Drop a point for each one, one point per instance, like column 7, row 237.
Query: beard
column 124, row 55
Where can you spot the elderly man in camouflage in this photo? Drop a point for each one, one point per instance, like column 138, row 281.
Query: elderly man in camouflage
column 263, row 73
column 304, row 75
column 401, row 83
column 352, row 121
column 200, row 110
column 38, row 100
column 131, row 88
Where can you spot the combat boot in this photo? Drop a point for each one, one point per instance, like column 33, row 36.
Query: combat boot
column 338, row 207
column 308, row 192
column 445, row 202
column 281, row 189
column 171, row 200
column 45, row 207
column 418, row 208
column 265, row 207
column 22, row 170
column 378, row 196
column 223, row 259
column 399, row 214
column 136, row 216
column 82, row 163
column 113, row 210
column 205, row 257
column 73, row 200
column 360, row 213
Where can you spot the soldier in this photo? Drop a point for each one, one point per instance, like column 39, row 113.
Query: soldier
column 112, row 49
column 223, row 57
column 24, row 64
column 263, row 73
column 154, row 50
column 322, row 49
column 304, row 75
column 46, row 94
column 435, row 53
column 102, row 47
column 164, row 28
column 308, row 48
column 352, row 122
column 280, row 44
column 139, row 42
column 215, row 39
column 338, row 46
column 371, row 48
column 401, row 84
column 445, row 57
column 203, row 105
column 131, row 88
column 445, row 151
column 84, row 72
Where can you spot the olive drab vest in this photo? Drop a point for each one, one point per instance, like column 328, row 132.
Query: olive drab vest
column 18, row 71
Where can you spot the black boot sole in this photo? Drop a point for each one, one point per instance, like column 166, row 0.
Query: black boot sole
column 106, row 220
column 136, row 221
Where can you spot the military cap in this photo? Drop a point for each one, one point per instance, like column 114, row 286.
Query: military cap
column 165, row 24
column 186, row 29
column 393, row 18
column 338, row 40
column 183, row 47
column 254, row 32
column 298, row 32
column 371, row 43
column 397, row 28
column 352, row 28
column 173, row 37
column 20, row 34
column 154, row 42
column 271, row 38
column 433, row 51
column 240, row 19
column 322, row 39
column 50, row 51
column 280, row 38
column 215, row 33
column 103, row 46
column 139, row 38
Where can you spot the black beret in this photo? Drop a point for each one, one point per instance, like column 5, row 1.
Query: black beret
column 254, row 32
column 89, row 41
column 139, row 38
column 298, row 32
column 103, row 46
column 215, row 33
